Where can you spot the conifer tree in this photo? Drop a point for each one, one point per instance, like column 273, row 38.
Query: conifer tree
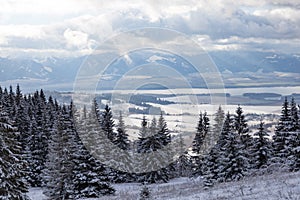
column 200, row 143
column 294, row 138
column 217, row 127
column 183, row 165
column 122, row 140
column 210, row 167
column 97, row 175
column 142, row 135
column 19, row 96
column 261, row 151
column 199, row 137
column 241, row 127
column 208, row 141
column 39, row 138
column 12, row 163
column 153, row 126
column 22, row 118
column 282, row 135
column 150, row 144
column 294, row 116
column 23, row 123
column 89, row 178
column 58, row 174
column 232, row 161
column 163, row 131
column 11, row 109
column 107, row 123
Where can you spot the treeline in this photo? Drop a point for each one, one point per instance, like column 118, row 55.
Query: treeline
column 40, row 147
column 45, row 144
column 237, row 153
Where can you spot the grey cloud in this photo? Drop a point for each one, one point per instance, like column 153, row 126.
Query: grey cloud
column 252, row 19
column 239, row 23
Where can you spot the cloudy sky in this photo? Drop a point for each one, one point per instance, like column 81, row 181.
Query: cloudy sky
column 66, row 28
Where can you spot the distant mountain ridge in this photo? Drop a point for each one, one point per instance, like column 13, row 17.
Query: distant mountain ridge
column 64, row 70
column 241, row 61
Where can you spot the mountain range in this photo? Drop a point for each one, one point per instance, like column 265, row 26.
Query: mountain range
column 58, row 71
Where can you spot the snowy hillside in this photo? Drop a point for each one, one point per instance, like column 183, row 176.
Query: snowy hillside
column 238, row 69
column 268, row 187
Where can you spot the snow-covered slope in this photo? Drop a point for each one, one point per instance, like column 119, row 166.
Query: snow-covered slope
column 268, row 187
column 238, row 69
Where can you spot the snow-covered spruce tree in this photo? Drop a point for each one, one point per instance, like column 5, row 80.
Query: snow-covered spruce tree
column 294, row 138
column 24, row 125
column 39, row 138
column 96, row 111
column 241, row 128
column 88, row 178
column 143, row 134
column 32, row 161
column 199, row 137
column 8, row 101
column 165, row 137
column 199, row 142
column 123, row 143
column 294, row 115
column 217, row 127
column 208, row 140
column 232, row 162
column 139, row 146
column 22, row 120
column 108, row 124
column 12, row 103
column 122, row 140
column 12, row 163
column 153, row 126
column 163, row 131
column 59, row 165
column 21, row 114
column 91, row 130
column 281, row 143
column 210, row 167
column 183, row 165
column 18, row 96
column 152, row 143
column 94, row 141
column 295, row 164
column 261, row 150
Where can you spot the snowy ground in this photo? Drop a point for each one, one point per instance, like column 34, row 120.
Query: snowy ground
column 268, row 187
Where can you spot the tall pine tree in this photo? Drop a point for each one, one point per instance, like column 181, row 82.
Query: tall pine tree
column 261, row 150
column 294, row 138
column 232, row 162
column 89, row 178
column 200, row 143
column 59, row 166
column 217, row 127
column 122, row 140
column 156, row 164
column 108, row 124
column 281, row 142
column 12, row 163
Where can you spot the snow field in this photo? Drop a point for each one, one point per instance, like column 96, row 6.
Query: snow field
column 267, row 187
